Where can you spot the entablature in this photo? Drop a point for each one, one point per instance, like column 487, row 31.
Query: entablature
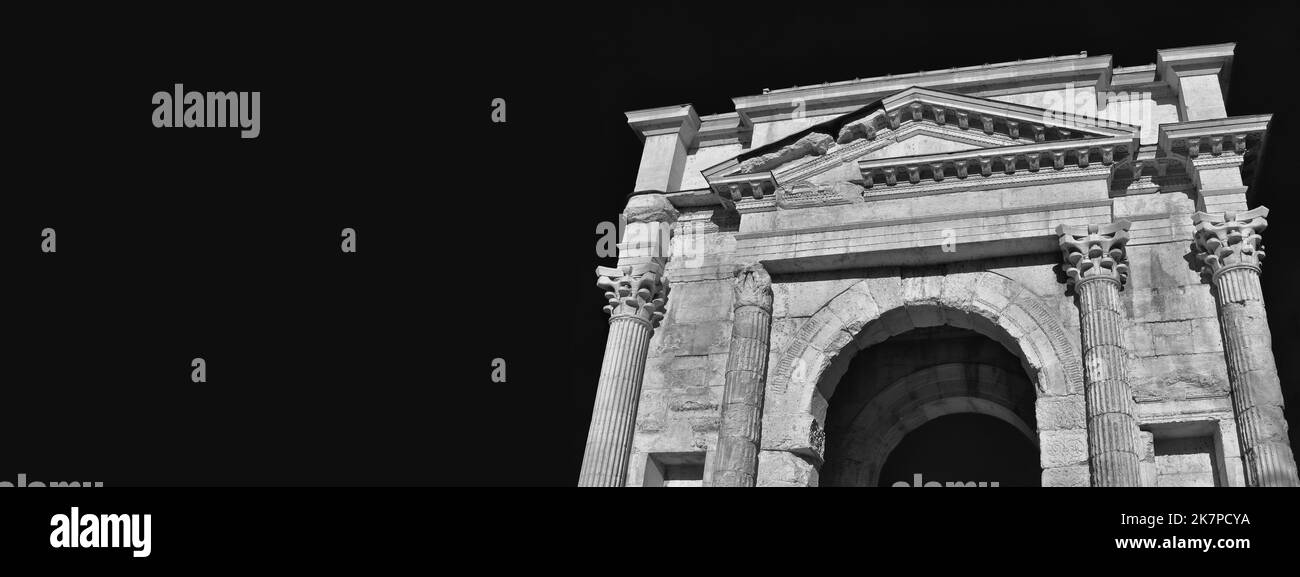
column 1236, row 134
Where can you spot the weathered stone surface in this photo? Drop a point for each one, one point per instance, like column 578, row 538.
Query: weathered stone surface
column 800, row 434
column 1063, row 448
column 1076, row 476
column 1066, row 412
column 814, row 144
column 742, row 409
column 650, row 208
column 785, row 469
column 932, row 214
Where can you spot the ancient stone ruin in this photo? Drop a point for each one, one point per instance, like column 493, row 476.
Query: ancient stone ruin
column 1058, row 244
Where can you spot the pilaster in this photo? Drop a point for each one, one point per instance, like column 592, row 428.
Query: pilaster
column 742, row 406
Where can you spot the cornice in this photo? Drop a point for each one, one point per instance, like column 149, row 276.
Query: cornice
column 1235, row 133
column 680, row 119
column 1007, row 159
column 1173, row 63
column 862, row 91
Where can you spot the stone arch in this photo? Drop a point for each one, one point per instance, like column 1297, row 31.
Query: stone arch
column 806, row 371
column 910, row 401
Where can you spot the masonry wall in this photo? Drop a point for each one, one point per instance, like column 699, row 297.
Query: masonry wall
column 1176, row 353
column 681, row 394
column 1171, row 330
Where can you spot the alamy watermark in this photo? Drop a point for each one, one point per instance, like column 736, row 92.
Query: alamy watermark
column 24, row 482
column 209, row 110
column 90, row 531
column 684, row 242
column 917, row 481
column 1087, row 108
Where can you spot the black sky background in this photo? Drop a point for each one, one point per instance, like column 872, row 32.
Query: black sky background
column 475, row 240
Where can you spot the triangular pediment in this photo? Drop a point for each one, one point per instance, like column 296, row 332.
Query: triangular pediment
column 922, row 130
column 925, row 141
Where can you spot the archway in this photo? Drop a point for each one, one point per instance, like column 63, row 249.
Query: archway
column 900, row 386
column 810, row 361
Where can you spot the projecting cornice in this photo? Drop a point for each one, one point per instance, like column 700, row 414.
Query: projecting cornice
column 1004, row 160
column 991, row 115
column 833, row 97
column 1236, row 134
column 1173, row 63
column 681, row 120
column 1010, row 138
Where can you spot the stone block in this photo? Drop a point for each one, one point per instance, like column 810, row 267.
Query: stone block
column 1065, row 412
column 797, row 433
column 805, row 298
column 699, row 301
column 1076, row 476
column 785, row 469
column 1063, row 448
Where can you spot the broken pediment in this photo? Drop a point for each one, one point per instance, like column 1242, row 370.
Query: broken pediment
column 926, row 135
column 812, row 144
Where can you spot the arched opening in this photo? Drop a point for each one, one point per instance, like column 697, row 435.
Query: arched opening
column 899, row 401
column 968, row 448
column 1031, row 378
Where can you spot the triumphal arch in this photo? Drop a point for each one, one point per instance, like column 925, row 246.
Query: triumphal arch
column 1060, row 244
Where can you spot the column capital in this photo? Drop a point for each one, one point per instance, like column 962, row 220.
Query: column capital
column 752, row 287
column 1229, row 240
column 637, row 291
column 1094, row 251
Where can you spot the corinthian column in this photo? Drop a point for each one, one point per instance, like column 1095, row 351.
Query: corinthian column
column 637, row 292
column 1096, row 268
column 742, row 398
column 1230, row 255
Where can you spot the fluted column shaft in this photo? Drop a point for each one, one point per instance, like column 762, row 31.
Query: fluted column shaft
column 1231, row 256
column 1252, row 373
column 609, row 439
column 1112, row 430
column 1095, row 264
column 736, row 462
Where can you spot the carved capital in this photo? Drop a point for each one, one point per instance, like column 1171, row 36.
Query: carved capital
column 1229, row 240
column 1094, row 251
column 753, row 287
column 639, row 291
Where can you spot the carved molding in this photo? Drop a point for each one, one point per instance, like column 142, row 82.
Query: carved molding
column 1006, row 160
column 1094, row 251
column 1236, row 134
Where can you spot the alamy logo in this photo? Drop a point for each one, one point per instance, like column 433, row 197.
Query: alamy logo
column 23, row 482
column 209, row 110
column 97, row 531
column 917, row 481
